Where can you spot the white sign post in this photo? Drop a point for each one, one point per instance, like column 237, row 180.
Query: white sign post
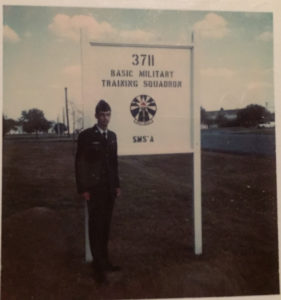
column 150, row 89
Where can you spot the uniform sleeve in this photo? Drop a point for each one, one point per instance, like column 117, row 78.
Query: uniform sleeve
column 79, row 165
column 117, row 180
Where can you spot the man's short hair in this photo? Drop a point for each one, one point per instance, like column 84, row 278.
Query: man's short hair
column 102, row 106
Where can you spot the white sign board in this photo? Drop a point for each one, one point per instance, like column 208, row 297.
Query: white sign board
column 151, row 93
column 148, row 89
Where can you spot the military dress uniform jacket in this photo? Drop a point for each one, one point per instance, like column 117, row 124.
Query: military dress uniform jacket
column 96, row 164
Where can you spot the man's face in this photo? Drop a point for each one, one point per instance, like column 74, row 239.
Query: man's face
column 103, row 118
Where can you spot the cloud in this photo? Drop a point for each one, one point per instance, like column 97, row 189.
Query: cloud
column 212, row 26
column 257, row 85
column 10, row 35
column 265, row 37
column 218, row 72
column 66, row 27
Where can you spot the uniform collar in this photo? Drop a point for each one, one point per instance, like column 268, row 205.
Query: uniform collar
column 101, row 130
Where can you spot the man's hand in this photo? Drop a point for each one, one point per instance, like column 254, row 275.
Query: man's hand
column 118, row 192
column 86, row 196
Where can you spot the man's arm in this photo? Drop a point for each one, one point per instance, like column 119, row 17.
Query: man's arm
column 116, row 167
column 79, row 169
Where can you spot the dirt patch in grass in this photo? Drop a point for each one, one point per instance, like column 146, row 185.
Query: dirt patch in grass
column 152, row 229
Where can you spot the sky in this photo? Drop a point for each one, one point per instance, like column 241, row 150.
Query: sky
column 41, row 53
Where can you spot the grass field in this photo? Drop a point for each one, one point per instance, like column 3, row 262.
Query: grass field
column 152, row 229
column 244, row 130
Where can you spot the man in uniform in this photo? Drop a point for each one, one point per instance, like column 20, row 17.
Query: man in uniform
column 97, row 181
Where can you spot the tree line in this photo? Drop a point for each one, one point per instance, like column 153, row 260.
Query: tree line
column 250, row 116
column 32, row 121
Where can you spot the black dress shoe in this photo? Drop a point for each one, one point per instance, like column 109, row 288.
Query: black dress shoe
column 110, row 268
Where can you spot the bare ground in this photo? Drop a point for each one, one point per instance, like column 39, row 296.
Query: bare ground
column 152, row 230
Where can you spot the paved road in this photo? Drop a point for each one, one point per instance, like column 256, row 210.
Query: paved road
column 238, row 142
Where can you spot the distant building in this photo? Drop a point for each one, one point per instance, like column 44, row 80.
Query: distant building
column 228, row 114
column 51, row 130
column 18, row 130
column 229, row 118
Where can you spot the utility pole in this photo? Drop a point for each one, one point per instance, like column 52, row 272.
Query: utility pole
column 74, row 121
column 63, row 116
column 66, row 110
column 82, row 75
column 58, row 126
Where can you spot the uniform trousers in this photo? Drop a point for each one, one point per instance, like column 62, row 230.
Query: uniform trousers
column 100, row 208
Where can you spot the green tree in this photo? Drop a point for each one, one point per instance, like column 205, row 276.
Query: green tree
column 203, row 116
column 60, row 128
column 252, row 115
column 8, row 124
column 221, row 119
column 34, row 120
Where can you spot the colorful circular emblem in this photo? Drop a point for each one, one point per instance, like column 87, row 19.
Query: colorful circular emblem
column 143, row 109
